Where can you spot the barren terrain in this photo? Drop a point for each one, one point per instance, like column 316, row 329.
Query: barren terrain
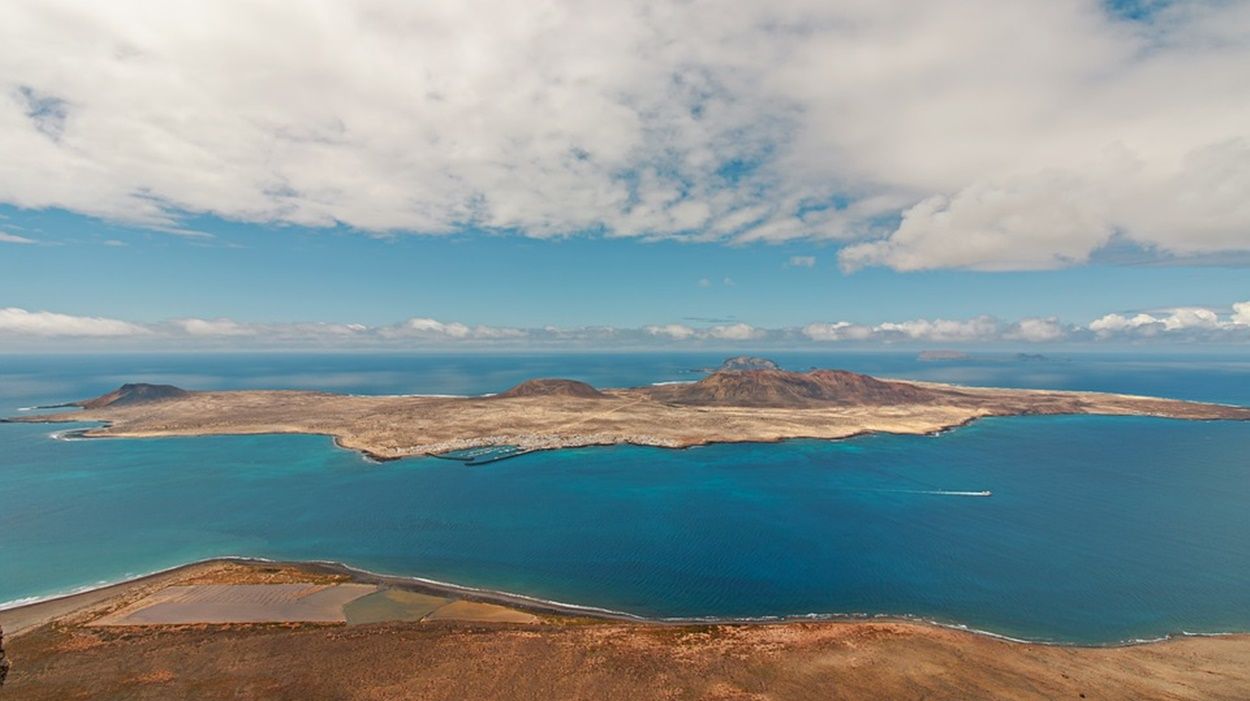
column 58, row 654
column 733, row 406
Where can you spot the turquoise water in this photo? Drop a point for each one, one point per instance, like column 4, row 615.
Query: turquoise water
column 1099, row 529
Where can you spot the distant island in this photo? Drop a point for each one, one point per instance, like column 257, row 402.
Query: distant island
column 739, row 363
column 735, row 405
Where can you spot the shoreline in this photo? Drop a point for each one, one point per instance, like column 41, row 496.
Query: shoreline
column 375, row 458
column 64, row 604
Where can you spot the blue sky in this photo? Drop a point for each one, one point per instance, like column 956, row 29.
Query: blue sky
column 274, row 274
column 787, row 173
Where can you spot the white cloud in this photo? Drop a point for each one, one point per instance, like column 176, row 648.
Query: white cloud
column 802, row 261
column 1241, row 314
column 213, row 327
column 1179, row 325
column 322, row 329
column 433, row 329
column 676, row 331
column 735, row 332
column 494, row 332
column 26, row 323
column 1025, row 139
column 981, row 329
column 1114, row 323
column 1191, row 318
column 229, row 328
column 837, row 331
column 704, row 282
column 1037, row 331
column 1185, row 324
column 1189, row 321
column 13, row 238
column 942, row 330
column 1035, row 223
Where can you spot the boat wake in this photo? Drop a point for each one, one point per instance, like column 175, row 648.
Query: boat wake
column 933, row 492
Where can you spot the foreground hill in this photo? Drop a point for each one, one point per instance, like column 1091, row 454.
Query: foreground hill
column 61, row 653
column 726, row 406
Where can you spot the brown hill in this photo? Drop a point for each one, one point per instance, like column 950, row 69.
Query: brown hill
column 779, row 388
column 135, row 393
column 553, row 387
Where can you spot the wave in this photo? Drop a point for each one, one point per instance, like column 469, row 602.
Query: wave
column 23, row 601
column 125, row 579
column 84, row 589
column 673, row 382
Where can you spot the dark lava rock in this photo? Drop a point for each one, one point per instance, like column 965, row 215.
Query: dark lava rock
column 553, row 388
column 136, row 393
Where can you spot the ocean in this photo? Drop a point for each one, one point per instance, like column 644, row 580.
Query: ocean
column 1098, row 530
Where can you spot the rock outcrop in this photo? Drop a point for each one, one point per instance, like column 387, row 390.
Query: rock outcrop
column 779, row 388
column 746, row 362
column 133, row 393
column 553, row 388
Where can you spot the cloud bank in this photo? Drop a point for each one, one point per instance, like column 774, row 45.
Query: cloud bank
column 984, row 134
column 19, row 322
column 20, row 328
column 14, row 238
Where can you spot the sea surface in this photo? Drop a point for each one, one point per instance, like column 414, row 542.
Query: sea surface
column 1098, row 530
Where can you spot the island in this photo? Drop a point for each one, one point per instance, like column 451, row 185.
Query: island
column 745, row 362
column 755, row 405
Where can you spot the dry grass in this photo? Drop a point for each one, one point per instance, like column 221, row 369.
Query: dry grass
column 612, row 661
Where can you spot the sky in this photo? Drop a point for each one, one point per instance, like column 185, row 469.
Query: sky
column 791, row 174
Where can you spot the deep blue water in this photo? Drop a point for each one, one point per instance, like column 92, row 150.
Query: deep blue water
column 1100, row 529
